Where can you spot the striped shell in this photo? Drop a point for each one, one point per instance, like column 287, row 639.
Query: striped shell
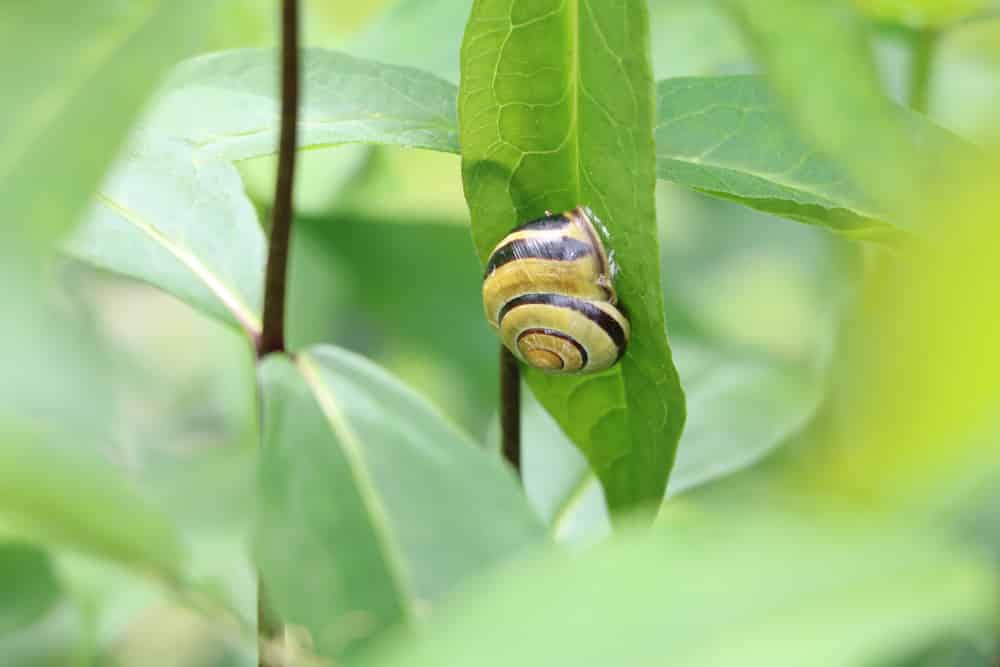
column 548, row 292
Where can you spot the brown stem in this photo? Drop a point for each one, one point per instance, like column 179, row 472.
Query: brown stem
column 510, row 408
column 272, row 338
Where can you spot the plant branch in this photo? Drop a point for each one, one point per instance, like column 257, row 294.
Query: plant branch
column 923, row 44
column 510, row 408
column 272, row 338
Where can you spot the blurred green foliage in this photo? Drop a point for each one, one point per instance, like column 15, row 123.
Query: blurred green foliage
column 862, row 378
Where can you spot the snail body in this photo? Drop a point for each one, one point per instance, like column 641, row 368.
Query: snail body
column 549, row 293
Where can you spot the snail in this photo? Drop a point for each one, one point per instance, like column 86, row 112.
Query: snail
column 549, row 293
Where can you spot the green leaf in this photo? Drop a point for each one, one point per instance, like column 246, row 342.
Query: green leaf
column 818, row 60
column 65, row 109
column 181, row 222
column 29, row 585
column 67, row 495
column 740, row 409
column 400, row 36
column 385, row 505
column 728, row 137
column 754, row 589
column 556, row 110
column 918, row 393
column 91, row 66
column 921, row 13
column 227, row 104
column 693, row 38
column 725, row 136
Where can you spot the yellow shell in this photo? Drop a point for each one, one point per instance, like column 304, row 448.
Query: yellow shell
column 548, row 292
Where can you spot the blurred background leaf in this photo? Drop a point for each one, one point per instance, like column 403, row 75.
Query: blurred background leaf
column 226, row 104
column 169, row 393
column 77, row 95
column 68, row 495
column 920, row 13
column 758, row 588
column 180, row 222
column 29, row 584
column 917, row 383
column 384, row 503
column 755, row 305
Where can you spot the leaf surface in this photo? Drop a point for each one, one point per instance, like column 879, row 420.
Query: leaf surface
column 556, row 110
column 91, row 66
column 756, row 588
column 728, row 137
column 69, row 496
column 226, row 104
column 179, row 221
column 368, row 489
column 29, row 585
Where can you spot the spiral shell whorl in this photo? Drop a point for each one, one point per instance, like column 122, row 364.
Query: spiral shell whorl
column 548, row 291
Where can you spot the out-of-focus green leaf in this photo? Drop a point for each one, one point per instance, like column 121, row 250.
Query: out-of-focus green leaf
column 693, row 38
column 753, row 306
column 372, row 493
column 556, row 110
column 920, row 13
column 917, row 409
column 727, row 136
column 29, row 585
column 53, row 642
column 227, row 104
column 67, row 105
column 395, row 316
column 64, row 112
column 818, row 60
column 755, row 589
column 740, row 408
column 965, row 88
column 400, row 36
column 66, row 495
column 181, row 222
column 323, row 177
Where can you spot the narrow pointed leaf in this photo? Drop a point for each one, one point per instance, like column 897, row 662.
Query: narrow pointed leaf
column 556, row 110
column 368, row 489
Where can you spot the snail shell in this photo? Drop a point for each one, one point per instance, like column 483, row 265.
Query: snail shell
column 549, row 292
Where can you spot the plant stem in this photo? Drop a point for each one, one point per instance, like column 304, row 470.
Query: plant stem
column 510, row 408
column 269, row 629
column 923, row 44
column 272, row 338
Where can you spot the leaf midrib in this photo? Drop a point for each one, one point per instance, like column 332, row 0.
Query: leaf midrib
column 354, row 452
column 227, row 295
